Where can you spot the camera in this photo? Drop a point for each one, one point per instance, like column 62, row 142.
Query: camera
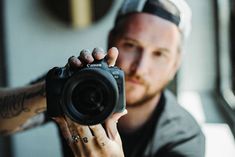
column 87, row 95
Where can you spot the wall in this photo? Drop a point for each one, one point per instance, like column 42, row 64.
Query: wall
column 198, row 69
column 35, row 42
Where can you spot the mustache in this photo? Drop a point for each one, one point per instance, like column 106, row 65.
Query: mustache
column 136, row 78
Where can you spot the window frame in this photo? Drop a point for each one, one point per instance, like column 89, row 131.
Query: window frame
column 224, row 47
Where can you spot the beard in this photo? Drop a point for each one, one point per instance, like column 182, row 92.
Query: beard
column 144, row 84
column 143, row 98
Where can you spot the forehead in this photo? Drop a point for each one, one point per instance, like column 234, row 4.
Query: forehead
column 150, row 30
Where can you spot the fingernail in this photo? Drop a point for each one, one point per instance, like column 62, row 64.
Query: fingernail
column 85, row 51
column 114, row 48
column 98, row 49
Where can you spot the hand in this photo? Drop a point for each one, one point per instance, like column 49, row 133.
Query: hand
column 93, row 141
column 86, row 57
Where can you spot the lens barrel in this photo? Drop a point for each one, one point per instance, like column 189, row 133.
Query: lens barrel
column 90, row 96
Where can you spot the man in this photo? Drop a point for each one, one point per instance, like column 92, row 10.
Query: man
column 149, row 35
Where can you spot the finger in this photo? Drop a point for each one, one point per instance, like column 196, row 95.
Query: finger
column 85, row 134
column 73, row 129
column 85, row 56
column 71, row 126
column 76, row 146
column 74, row 62
column 63, row 127
column 100, row 134
column 112, row 56
column 111, row 125
column 98, row 53
column 115, row 117
column 83, row 131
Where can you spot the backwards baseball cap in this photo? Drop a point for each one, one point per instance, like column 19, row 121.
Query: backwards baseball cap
column 175, row 11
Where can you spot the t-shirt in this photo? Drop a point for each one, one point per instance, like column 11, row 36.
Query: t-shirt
column 136, row 142
column 170, row 132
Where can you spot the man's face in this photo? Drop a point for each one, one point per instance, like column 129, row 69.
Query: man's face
column 148, row 54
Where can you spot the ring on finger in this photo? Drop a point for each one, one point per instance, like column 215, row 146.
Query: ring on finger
column 75, row 138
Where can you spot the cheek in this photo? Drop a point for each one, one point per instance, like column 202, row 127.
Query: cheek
column 158, row 78
column 124, row 61
column 162, row 73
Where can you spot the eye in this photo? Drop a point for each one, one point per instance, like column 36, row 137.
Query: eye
column 128, row 45
column 158, row 53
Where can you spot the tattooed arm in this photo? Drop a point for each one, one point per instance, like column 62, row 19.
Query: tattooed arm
column 19, row 105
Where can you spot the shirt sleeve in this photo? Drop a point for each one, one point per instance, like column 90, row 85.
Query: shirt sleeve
column 193, row 146
column 178, row 134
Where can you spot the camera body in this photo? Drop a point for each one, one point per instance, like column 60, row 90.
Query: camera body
column 87, row 95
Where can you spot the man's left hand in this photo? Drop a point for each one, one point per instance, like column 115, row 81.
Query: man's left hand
column 93, row 141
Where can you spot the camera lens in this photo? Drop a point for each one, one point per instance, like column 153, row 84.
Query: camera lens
column 88, row 97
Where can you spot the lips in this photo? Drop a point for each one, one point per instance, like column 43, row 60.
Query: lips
column 134, row 81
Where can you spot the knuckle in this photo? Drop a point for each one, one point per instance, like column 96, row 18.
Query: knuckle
column 101, row 141
column 80, row 130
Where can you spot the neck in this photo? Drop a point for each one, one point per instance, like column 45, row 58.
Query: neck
column 138, row 115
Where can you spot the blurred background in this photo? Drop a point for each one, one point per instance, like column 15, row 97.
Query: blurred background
column 36, row 35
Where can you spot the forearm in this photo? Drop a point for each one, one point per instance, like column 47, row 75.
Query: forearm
column 20, row 104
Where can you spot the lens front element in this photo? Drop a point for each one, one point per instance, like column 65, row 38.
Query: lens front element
column 90, row 96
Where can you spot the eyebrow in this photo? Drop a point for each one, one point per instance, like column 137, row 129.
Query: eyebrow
column 166, row 50
column 162, row 49
column 132, row 40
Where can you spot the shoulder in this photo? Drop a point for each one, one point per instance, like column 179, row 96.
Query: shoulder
column 177, row 127
column 176, row 117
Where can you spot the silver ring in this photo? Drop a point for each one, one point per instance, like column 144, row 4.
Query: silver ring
column 75, row 138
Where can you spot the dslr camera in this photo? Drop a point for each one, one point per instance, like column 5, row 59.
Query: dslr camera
column 87, row 95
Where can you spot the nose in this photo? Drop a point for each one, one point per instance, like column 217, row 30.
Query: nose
column 141, row 64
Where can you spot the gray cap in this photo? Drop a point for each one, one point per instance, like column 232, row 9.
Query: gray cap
column 175, row 11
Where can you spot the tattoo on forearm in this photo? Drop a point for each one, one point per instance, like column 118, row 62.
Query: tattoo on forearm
column 13, row 105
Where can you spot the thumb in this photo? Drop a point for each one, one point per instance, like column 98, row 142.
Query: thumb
column 111, row 124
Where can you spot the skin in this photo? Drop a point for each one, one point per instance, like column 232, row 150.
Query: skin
column 149, row 55
column 18, row 105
